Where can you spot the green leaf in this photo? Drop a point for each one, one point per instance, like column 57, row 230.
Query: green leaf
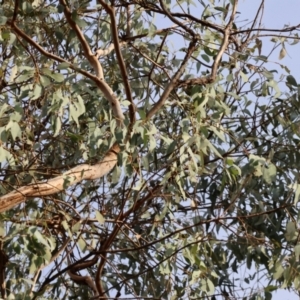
column 116, row 174
column 218, row 132
column 37, row 91
column 76, row 226
column 99, row 217
column 9, row 37
column 55, row 76
column 270, row 288
column 211, row 287
column 14, row 129
column 269, row 173
column 234, row 95
column 82, row 245
column 297, row 252
column 282, row 53
column 296, row 188
column 205, row 57
column 152, row 143
column 244, row 76
column 25, row 75
column 56, row 125
column 257, row 163
column 33, row 267
column 278, row 271
column 6, row 156
column 3, row 20
column 290, row 231
column 274, row 85
column 291, row 80
column 63, row 66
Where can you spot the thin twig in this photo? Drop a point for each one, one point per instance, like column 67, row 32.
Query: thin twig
column 158, row 105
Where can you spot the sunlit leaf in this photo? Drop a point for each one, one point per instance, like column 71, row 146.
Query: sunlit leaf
column 99, row 217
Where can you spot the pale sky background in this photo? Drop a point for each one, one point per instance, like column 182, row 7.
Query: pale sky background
column 278, row 13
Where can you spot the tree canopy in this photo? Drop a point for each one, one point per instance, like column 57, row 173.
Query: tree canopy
column 149, row 150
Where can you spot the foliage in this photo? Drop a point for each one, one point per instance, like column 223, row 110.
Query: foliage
column 149, row 149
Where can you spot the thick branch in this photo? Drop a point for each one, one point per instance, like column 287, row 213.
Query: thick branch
column 59, row 183
column 84, row 280
column 82, row 172
column 85, row 46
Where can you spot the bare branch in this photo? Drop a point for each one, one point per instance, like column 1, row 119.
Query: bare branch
column 53, row 258
column 224, row 43
column 173, row 81
column 58, row 184
column 85, row 46
column 85, row 280
column 114, row 30
column 111, row 47
column 180, row 71
column 215, row 66
column 172, row 18
column 287, row 29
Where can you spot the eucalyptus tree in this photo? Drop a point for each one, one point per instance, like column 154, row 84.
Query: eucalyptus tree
column 149, row 150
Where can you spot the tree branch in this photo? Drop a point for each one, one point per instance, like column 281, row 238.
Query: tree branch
column 85, row 46
column 173, row 81
column 114, row 30
column 102, row 85
column 59, row 183
column 107, row 243
column 84, row 280
column 215, row 66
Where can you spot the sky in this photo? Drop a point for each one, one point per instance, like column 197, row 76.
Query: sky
column 278, row 13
